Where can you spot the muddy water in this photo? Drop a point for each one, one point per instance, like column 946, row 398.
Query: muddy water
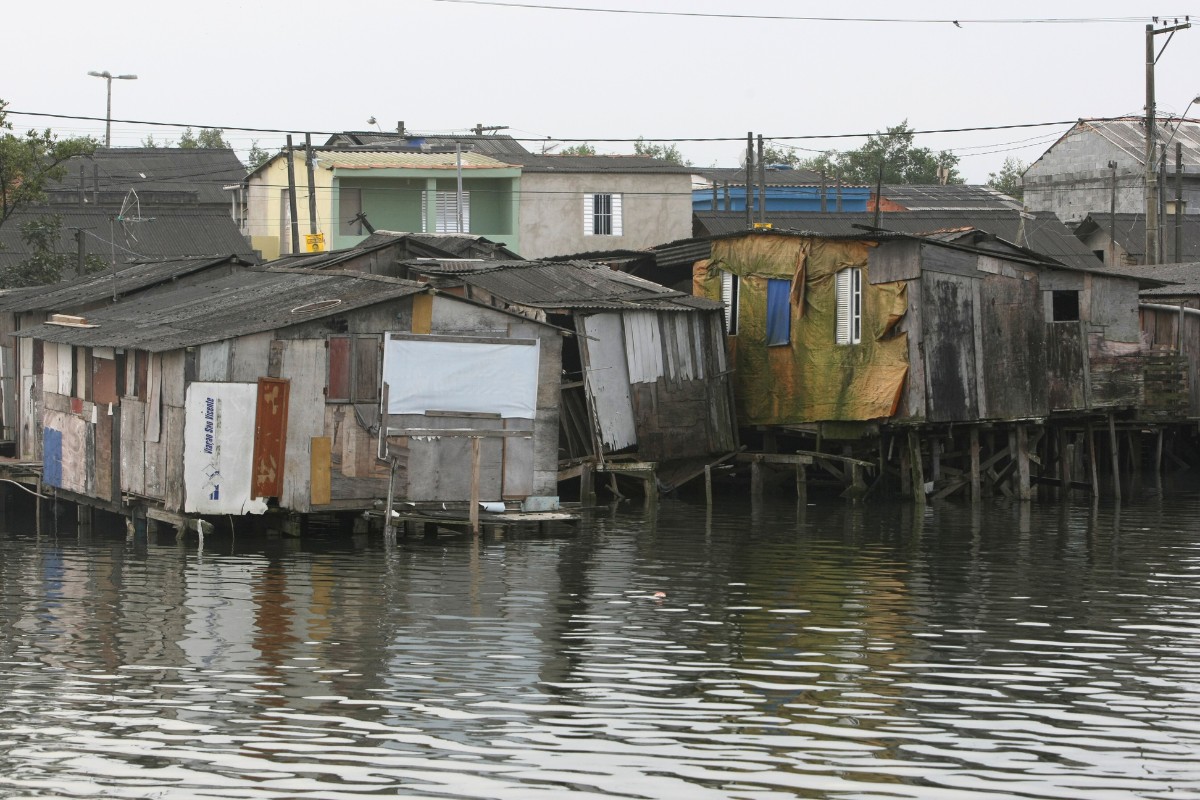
column 832, row 651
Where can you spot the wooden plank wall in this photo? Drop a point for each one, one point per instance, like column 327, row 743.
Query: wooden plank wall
column 1066, row 366
column 303, row 363
column 949, row 329
column 1014, row 358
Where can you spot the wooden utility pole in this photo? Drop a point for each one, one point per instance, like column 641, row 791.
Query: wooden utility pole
column 762, row 182
column 291, row 169
column 1151, row 204
column 312, row 184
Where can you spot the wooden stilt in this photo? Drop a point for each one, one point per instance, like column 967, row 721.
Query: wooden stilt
column 801, row 484
column 708, row 486
column 1158, row 457
column 905, row 471
column 1092, row 466
column 974, row 446
column 1024, row 487
column 389, row 529
column 473, row 514
column 756, row 481
column 935, row 460
column 918, row 473
column 587, row 485
column 1115, row 446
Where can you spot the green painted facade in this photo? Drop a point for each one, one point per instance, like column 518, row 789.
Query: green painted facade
column 391, row 200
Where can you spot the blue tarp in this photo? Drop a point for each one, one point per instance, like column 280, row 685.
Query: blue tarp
column 779, row 312
column 52, row 457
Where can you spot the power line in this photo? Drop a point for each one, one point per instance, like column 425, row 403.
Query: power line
column 792, row 18
column 739, row 138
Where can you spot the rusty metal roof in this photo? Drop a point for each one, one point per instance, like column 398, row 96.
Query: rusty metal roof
column 566, row 284
column 246, row 302
column 398, row 159
column 130, row 278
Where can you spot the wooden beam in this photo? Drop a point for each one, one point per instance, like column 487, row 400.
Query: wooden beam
column 1116, row 462
column 974, row 446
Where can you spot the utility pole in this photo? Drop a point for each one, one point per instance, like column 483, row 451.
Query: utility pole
column 1152, row 221
column 1179, row 201
column 749, row 182
column 762, row 182
column 480, row 128
column 291, row 166
column 1112, row 216
column 312, row 184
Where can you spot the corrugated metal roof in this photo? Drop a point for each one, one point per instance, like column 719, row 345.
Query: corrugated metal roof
column 499, row 145
column 568, row 284
column 247, row 302
column 614, row 164
column 99, row 286
column 1129, row 231
column 408, row 245
column 165, row 231
column 951, row 197
column 1185, row 277
column 1044, row 234
column 1128, row 134
column 736, row 176
column 158, row 169
column 391, row 159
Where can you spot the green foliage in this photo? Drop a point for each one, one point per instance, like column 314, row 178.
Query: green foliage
column 581, row 149
column 256, row 157
column 46, row 264
column 669, row 152
column 150, row 141
column 776, row 154
column 1008, row 179
column 31, row 161
column 902, row 162
column 207, row 137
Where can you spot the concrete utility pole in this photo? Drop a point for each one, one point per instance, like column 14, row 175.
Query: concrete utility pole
column 1152, row 221
column 109, row 78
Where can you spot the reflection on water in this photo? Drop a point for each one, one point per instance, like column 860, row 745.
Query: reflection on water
column 842, row 651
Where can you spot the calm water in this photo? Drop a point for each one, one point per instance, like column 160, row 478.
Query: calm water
column 847, row 652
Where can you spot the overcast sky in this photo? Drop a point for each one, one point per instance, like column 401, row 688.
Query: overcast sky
column 545, row 73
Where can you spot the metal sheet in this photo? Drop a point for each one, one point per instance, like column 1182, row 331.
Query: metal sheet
column 270, row 437
column 607, row 374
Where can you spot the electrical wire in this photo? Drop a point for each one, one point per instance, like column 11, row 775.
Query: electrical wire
column 959, row 22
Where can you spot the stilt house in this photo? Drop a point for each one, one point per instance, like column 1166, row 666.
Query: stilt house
column 645, row 376
column 948, row 328
column 292, row 390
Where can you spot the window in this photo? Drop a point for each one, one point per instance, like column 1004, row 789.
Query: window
column 354, row 369
column 779, row 312
column 447, row 212
column 349, row 211
column 849, row 306
column 729, row 296
column 1064, row 306
column 602, row 214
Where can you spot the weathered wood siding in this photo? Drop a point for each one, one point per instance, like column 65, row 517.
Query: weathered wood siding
column 1174, row 331
column 1014, row 344
column 1066, row 366
column 949, row 331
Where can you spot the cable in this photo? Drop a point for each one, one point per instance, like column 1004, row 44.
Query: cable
column 789, row 18
column 740, row 138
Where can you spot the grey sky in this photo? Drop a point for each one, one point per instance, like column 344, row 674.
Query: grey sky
column 546, row 73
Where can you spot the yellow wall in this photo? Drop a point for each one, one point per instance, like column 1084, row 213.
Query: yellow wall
column 812, row 378
column 267, row 186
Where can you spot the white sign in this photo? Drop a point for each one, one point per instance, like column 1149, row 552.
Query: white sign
column 218, row 449
column 430, row 374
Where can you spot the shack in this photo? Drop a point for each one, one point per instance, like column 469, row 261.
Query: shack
column 878, row 339
column 294, row 392
column 23, row 308
column 646, row 381
column 1170, row 323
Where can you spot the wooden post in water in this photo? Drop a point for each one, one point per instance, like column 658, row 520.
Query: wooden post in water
column 1093, row 467
column 1115, row 446
column 1024, row 489
column 801, row 484
column 473, row 514
column 389, row 530
column 587, row 484
column 1158, row 457
column 756, row 481
column 708, row 485
column 905, row 470
column 974, row 448
column 914, row 461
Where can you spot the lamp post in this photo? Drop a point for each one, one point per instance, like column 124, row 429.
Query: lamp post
column 109, row 77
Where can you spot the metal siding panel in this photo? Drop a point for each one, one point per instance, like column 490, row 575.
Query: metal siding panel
column 608, row 380
column 270, row 437
column 64, row 364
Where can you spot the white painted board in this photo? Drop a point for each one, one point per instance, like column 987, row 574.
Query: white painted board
column 217, row 449
column 475, row 377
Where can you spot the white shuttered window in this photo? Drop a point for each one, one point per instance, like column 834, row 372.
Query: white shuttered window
column 849, row 306
column 602, row 214
column 729, row 296
column 447, row 212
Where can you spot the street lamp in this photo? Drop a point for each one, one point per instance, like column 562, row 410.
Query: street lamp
column 109, row 77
